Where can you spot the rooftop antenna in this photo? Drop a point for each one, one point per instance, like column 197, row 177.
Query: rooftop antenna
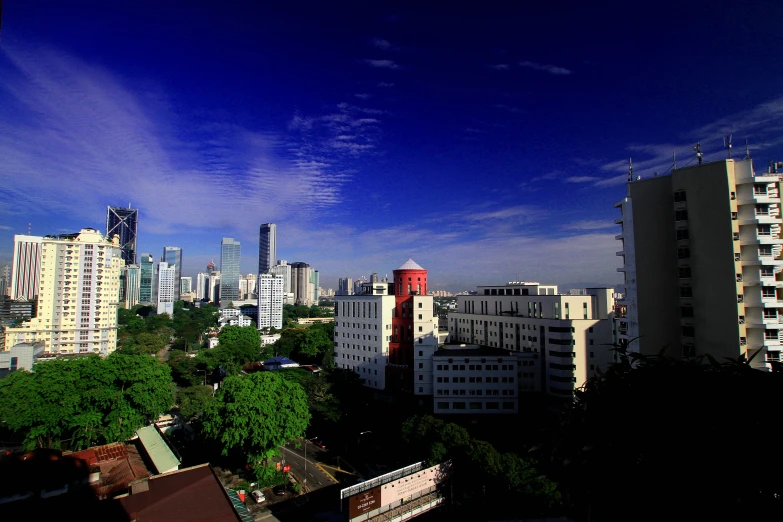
column 699, row 153
column 674, row 157
column 747, row 150
column 630, row 170
column 727, row 144
column 129, row 205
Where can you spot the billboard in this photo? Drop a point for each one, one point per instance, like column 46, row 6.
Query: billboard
column 364, row 502
column 411, row 485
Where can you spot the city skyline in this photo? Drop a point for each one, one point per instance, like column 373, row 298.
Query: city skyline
column 508, row 130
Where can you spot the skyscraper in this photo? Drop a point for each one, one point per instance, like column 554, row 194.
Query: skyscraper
column 79, row 289
column 345, row 286
column 26, row 267
column 701, row 252
column 173, row 256
column 229, row 271
column 167, row 285
column 124, row 222
column 147, row 284
column 283, row 268
column 270, row 301
column 185, row 285
column 132, row 285
column 202, row 286
column 267, row 247
column 301, row 286
column 5, row 280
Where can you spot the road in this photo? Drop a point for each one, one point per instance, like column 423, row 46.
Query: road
column 295, row 457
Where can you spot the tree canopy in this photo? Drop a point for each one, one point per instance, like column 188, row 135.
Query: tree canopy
column 256, row 413
column 85, row 400
column 229, row 334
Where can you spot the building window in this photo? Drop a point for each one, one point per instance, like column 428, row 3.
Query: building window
column 682, row 234
column 686, row 291
column 679, row 196
column 681, row 215
column 688, row 331
column 686, row 311
column 683, row 253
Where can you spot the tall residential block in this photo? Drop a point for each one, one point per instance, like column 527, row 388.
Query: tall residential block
column 202, row 286
column 5, row 280
column 185, row 285
column 173, row 257
column 78, row 295
column 562, row 340
column 267, row 247
column 132, row 286
column 229, row 271
column 147, row 284
column 345, row 286
column 284, row 269
column 167, row 287
column 270, row 301
column 701, row 252
column 25, row 270
column 124, row 222
column 301, row 283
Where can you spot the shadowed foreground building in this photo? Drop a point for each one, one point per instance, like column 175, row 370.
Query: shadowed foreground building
column 701, row 253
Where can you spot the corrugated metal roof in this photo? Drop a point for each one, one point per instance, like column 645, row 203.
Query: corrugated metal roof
column 239, row 506
column 160, row 453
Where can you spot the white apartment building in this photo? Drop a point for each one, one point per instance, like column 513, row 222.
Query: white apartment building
column 560, row 339
column 202, row 286
column 701, row 252
column 213, row 292
column 167, row 287
column 78, row 295
column 284, row 269
column 247, row 287
column 270, row 300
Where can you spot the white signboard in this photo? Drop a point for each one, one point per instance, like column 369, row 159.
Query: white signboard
column 411, row 485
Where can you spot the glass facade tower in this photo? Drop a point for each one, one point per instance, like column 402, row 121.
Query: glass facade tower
column 267, row 247
column 172, row 256
column 123, row 222
column 147, row 283
column 229, row 271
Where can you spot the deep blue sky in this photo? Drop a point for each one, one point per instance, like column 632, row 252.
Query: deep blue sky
column 488, row 143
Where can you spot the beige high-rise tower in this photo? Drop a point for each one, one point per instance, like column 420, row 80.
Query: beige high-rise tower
column 701, row 250
column 78, row 295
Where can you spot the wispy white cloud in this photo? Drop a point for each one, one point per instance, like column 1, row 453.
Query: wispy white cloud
column 385, row 84
column 362, row 96
column 3, row 227
column 382, row 64
column 589, row 224
column 581, row 179
column 551, row 69
column 380, row 43
column 509, row 108
column 499, row 67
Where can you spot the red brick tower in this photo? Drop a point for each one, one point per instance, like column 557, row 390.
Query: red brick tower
column 409, row 280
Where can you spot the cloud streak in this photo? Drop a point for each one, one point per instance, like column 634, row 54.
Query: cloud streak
column 551, row 69
column 382, row 64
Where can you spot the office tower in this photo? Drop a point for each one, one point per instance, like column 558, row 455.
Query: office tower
column 147, row 284
column 5, row 280
column 202, row 286
column 173, row 257
column 132, row 286
column 25, row 271
column 78, row 298
column 229, row 271
column 214, row 288
column 701, row 258
column 345, row 286
column 124, row 222
column 247, row 286
column 315, row 281
column 569, row 335
column 284, row 269
column 270, row 301
column 301, row 286
column 267, row 247
column 167, row 286
column 399, row 320
column 185, row 285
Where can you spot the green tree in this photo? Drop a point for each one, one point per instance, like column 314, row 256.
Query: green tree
column 256, row 413
column 230, row 356
column 150, row 343
column 86, row 400
column 192, row 400
column 230, row 334
column 185, row 369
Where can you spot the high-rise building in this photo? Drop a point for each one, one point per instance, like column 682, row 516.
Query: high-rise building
column 301, row 285
column 247, row 286
column 315, row 282
column 270, row 301
column 78, row 297
column 173, row 257
column 701, row 252
column 123, row 222
column 25, row 271
column 132, row 286
column 374, row 277
column 229, row 271
column 202, row 286
column 185, row 284
column 147, row 283
column 167, row 286
column 403, row 332
column 267, row 247
column 345, row 286
column 214, row 287
column 5, row 280
column 284, row 269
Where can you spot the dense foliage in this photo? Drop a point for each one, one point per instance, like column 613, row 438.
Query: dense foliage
column 656, row 438
column 483, row 480
column 85, row 400
column 307, row 345
column 256, row 413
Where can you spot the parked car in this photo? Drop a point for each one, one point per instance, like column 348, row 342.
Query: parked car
column 279, row 490
column 258, row 496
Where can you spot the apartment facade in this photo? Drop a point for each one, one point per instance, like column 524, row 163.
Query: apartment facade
column 26, row 267
column 173, row 257
column 132, row 286
column 701, row 253
column 78, row 295
column 167, row 288
column 561, row 340
column 270, row 301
